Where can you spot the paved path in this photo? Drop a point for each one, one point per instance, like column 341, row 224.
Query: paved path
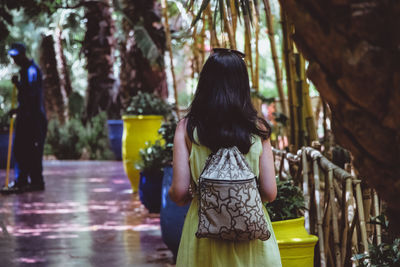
column 87, row 216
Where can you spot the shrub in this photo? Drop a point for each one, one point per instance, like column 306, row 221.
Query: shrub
column 97, row 141
column 66, row 141
column 289, row 202
column 152, row 158
column 148, row 104
column 167, row 131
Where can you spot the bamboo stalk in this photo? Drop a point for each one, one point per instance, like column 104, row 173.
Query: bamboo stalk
column 228, row 28
column 338, row 191
column 213, row 35
column 202, row 41
column 319, row 215
column 376, row 213
column 274, row 54
column 256, row 77
column 306, row 192
column 335, row 226
column 164, row 7
column 234, row 17
column 346, row 201
column 360, row 209
column 290, row 74
column 327, row 222
column 247, row 43
column 367, row 203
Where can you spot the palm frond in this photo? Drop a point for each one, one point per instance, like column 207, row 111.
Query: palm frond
column 204, row 5
column 146, row 44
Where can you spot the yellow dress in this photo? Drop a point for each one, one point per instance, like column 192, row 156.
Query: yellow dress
column 208, row 252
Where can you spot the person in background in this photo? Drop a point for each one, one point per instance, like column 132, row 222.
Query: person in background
column 31, row 124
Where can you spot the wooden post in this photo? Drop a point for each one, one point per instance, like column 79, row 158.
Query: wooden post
column 306, row 192
column 376, row 213
column 336, row 241
column 319, row 213
column 360, row 209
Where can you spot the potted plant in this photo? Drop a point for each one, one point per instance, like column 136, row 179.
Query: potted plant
column 296, row 246
column 142, row 120
column 152, row 161
column 172, row 216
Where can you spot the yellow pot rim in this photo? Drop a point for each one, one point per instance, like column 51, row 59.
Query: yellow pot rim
column 141, row 117
column 288, row 221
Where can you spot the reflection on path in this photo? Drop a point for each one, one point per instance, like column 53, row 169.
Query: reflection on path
column 86, row 217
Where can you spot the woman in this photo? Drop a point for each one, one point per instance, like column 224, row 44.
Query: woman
column 221, row 115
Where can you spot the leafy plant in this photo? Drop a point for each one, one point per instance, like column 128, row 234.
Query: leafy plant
column 167, row 131
column 97, row 141
column 66, row 141
column 5, row 105
column 386, row 254
column 153, row 158
column 289, row 202
column 148, row 104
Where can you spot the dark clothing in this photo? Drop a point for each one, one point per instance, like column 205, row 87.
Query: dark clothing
column 31, row 125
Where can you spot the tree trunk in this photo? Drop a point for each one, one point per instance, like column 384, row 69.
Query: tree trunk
column 65, row 81
column 138, row 73
column 353, row 49
column 98, row 47
column 53, row 98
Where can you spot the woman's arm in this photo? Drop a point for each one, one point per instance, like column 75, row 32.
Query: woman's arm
column 267, row 173
column 179, row 190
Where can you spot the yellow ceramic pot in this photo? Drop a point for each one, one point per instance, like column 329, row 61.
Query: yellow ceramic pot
column 295, row 244
column 137, row 131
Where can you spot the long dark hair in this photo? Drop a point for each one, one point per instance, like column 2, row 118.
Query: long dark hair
column 221, row 110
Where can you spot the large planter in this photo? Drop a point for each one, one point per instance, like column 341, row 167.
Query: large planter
column 150, row 191
column 4, row 151
column 137, row 130
column 115, row 130
column 296, row 246
column 172, row 216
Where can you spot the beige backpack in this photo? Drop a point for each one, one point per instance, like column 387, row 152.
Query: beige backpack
column 230, row 206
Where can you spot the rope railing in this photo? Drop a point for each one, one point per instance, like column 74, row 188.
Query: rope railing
column 335, row 205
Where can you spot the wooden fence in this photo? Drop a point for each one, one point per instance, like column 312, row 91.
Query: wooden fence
column 338, row 208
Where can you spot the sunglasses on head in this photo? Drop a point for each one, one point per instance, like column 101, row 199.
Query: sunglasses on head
column 227, row 50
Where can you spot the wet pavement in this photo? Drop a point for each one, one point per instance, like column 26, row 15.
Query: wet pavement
column 87, row 216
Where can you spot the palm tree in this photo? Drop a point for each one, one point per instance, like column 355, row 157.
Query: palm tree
column 142, row 50
column 98, row 46
column 53, row 97
column 353, row 50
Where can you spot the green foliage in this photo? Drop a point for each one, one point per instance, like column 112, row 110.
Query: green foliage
column 147, row 46
column 167, row 131
column 76, row 105
column 260, row 96
column 289, row 202
column 97, row 141
column 153, row 158
column 148, row 104
column 386, row 254
column 69, row 140
column 66, row 141
column 5, row 104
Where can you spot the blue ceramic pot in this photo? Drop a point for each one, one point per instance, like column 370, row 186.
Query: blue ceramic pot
column 172, row 216
column 115, row 129
column 150, row 190
column 4, row 151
